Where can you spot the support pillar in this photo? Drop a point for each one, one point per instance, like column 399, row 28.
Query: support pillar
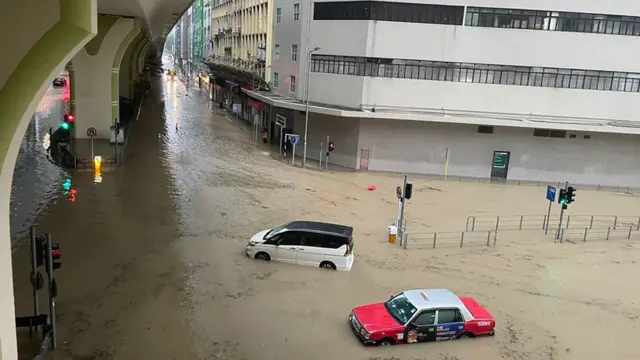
column 57, row 31
column 115, row 71
column 96, row 76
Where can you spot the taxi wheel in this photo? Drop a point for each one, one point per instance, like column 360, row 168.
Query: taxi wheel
column 327, row 265
column 466, row 335
column 386, row 342
column 263, row 256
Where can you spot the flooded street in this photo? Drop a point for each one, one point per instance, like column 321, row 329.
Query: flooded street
column 154, row 264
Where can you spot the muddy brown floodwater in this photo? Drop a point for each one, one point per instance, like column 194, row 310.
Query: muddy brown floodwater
column 154, row 265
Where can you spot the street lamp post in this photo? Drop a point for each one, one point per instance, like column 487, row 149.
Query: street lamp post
column 306, row 107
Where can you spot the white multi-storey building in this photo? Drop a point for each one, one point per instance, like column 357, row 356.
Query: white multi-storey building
column 536, row 90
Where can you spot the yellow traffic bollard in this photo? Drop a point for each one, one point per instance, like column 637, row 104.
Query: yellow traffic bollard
column 393, row 232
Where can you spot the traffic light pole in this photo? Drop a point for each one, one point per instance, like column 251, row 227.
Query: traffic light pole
column 401, row 219
column 52, row 299
column 34, row 272
column 566, row 185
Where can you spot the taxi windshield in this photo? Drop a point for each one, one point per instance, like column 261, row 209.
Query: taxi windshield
column 400, row 308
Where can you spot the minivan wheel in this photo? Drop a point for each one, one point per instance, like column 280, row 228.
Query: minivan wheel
column 263, row 256
column 327, row 265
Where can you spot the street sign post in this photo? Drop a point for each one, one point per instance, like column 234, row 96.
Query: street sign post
column 294, row 139
column 92, row 132
column 551, row 196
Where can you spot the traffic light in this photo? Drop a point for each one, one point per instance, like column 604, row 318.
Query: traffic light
column 570, row 194
column 562, row 198
column 41, row 244
column 66, row 186
column 68, row 122
column 332, row 146
column 408, row 190
column 55, row 256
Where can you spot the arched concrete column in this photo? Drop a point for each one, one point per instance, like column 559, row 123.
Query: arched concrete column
column 57, row 31
column 115, row 70
column 126, row 68
column 93, row 70
column 136, row 59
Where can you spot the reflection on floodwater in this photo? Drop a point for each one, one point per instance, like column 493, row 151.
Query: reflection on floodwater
column 35, row 178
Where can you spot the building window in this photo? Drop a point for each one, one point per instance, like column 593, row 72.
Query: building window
column 296, row 11
column 277, row 53
column 484, row 129
column 388, row 11
column 477, row 73
column 276, row 80
column 560, row 134
column 292, row 87
column 294, row 52
column 553, row 21
column 278, row 15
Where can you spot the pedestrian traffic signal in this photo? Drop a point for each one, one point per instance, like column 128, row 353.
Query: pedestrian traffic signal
column 570, row 194
column 68, row 122
column 332, row 146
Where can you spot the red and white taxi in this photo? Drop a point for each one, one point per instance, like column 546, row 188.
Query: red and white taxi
column 419, row 316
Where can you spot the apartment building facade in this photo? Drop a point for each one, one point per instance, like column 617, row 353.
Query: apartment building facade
column 543, row 90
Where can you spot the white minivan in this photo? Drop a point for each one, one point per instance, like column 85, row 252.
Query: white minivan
column 324, row 245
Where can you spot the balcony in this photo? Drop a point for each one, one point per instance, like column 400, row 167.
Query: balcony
column 237, row 31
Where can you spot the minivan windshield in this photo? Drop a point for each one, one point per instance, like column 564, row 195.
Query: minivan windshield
column 275, row 230
column 400, row 308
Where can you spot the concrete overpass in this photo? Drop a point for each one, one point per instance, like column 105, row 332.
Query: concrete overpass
column 104, row 44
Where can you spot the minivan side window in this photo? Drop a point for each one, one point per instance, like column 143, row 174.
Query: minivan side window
column 312, row 239
column 290, row 238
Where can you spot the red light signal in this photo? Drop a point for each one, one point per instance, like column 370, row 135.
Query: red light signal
column 69, row 118
column 332, row 146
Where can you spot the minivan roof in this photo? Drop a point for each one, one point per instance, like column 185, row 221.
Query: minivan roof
column 337, row 229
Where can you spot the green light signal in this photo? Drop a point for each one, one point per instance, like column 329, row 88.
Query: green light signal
column 65, row 126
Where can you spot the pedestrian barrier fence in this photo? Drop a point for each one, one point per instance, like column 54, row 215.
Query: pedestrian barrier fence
column 622, row 189
column 539, row 222
column 587, row 234
column 449, row 239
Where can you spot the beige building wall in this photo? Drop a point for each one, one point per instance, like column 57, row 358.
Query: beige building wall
column 241, row 29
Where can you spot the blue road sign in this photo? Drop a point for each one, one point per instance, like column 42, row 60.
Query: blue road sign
column 294, row 139
column 551, row 193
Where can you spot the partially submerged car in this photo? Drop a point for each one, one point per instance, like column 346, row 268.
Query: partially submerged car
column 415, row 316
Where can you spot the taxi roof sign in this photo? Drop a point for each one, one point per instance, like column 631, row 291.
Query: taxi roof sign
column 424, row 296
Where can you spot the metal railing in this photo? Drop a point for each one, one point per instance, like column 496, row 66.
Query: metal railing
column 626, row 189
column 449, row 239
column 539, row 222
column 587, row 234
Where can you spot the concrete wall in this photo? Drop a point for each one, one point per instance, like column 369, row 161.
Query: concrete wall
column 419, row 147
column 344, row 132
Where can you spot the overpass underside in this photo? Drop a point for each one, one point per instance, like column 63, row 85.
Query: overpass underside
column 104, row 54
